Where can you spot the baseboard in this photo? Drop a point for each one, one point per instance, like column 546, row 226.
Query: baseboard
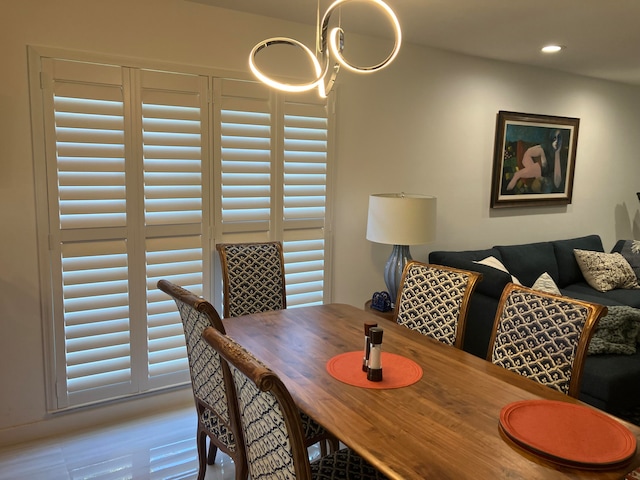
column 87, row 418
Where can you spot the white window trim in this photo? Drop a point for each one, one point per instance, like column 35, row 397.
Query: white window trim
column 40, row 179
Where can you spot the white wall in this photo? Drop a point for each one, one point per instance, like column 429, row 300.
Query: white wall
column 424, row 125
column 427, row 125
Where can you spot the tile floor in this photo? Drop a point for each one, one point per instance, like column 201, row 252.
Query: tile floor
column 156, row 447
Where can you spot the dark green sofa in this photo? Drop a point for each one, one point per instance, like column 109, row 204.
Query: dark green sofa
column 609, row 382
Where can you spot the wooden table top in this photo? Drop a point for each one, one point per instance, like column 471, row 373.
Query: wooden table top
column 444, row 426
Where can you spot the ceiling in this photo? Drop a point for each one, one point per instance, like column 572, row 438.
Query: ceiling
column 602, row 37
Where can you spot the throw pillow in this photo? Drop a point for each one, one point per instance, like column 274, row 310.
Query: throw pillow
column 616, row 332
column 631, row 252
column 493, row 262
column 545, row 283
column 606, row 271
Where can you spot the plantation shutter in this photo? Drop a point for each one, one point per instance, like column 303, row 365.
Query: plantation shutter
column 125, row 170
column 246, row 166
column 305, row 146
column 87, row 142
column 175, row 123
column 132, row 192
column 272, row 186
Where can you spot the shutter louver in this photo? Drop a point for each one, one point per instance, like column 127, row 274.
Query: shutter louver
column 89, row 123
column 172, row 159
column 172, row 146
column 246, row 159
column 305, row 180
column 96, row 314
column 178, row 260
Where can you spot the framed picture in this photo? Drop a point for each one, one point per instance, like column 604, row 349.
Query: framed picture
column 534, row 160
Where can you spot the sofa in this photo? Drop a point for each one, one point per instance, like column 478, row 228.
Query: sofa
column 611, row 381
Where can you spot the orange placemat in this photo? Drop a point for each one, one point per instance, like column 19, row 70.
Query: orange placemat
column 567, row 433
column 397, row 371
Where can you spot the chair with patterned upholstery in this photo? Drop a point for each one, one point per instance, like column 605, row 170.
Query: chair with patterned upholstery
column 543, row 336
column 216, row 404
column 197, row 314
column 434, row 300
column 271, row 424
column 252, row 277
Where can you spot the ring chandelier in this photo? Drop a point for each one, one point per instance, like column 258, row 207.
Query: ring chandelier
column 328, row 51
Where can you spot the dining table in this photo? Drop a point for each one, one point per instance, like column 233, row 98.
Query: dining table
column 445, row 423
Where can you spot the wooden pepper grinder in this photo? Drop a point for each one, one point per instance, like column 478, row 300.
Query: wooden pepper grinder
column 367, row 345
column 374, row 369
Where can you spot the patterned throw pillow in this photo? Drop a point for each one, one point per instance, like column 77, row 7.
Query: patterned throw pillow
column 606, row 271
column 631, row 252
column 616, row 332
column 545, row 283
column 493, row 262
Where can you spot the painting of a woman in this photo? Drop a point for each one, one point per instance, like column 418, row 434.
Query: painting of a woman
column 534, row 160
column 541, row 161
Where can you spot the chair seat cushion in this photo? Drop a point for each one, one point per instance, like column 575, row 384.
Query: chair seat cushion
column 344, row 464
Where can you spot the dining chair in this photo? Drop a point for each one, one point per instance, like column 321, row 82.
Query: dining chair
column 196, row 314
column 434, row 300
column 272, row 429
column 543, row 336
column 252, row 277
column 216, row 406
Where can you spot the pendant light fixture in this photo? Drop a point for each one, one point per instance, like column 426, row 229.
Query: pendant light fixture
column 328, row 57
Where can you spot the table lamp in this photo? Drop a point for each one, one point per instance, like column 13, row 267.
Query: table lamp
column 401, row 220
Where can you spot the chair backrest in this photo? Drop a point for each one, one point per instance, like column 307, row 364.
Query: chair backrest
column 252, row 277
column 270, row 420
column 213, row 393
column 434, row 300
column 543, row 336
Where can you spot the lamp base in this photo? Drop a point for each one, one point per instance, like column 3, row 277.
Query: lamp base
column 399, row 257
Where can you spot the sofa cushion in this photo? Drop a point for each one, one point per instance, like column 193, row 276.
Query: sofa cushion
column 619, row 296
column 606, row 271
column 568, row 269
column 630, row 250
column 616, row 332
column 493, row 262
column 493, row 280
column 529, row 261
column 613, row 380
column 545, row 283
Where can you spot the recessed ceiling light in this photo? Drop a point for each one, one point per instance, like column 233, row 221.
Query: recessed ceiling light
column 552, row 48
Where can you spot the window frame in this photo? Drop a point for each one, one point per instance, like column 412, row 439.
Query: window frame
column 43, row 214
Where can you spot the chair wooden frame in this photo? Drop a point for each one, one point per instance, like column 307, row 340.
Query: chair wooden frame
column 593, row 314
column 270, row 450
column 472, row 278
column 228, row 293
column 266, row 381
column 202, row 307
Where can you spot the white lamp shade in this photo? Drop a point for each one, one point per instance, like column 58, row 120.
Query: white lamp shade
column 401, row 218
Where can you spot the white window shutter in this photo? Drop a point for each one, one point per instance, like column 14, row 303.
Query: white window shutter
column 125, row 217
column 174, row 121
column 132, row 188
column 246, row 166
column 305, row 156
